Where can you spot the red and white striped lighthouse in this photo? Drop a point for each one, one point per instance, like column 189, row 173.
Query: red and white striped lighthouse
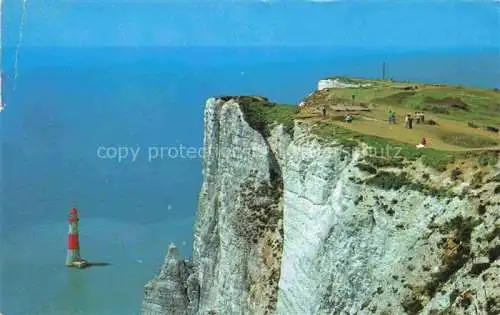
column 73, row 255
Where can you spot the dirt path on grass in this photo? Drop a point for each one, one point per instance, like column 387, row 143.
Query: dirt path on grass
column 372, row 123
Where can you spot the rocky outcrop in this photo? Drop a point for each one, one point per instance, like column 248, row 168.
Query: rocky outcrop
column 299, row 225
column 172, row 291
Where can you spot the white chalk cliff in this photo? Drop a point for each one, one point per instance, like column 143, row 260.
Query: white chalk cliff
column 290, row 224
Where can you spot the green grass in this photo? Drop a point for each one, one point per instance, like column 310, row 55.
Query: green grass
column 261, row 114
column 438, row 159
column 281, row 114
column 385, row 152
column 456, row 103
column 466, row 140
column 380, row 161
column 388, row 180
column 395, row 99
column 433, row 158
column 392, row 181
column 490, row 159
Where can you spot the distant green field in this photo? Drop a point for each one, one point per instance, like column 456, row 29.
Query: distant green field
column 453, row 103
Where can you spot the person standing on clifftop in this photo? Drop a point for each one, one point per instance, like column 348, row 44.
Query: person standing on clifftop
column 392, row 117
column 324, row 111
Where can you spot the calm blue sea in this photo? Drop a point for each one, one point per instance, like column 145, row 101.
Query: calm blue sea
column 67, row 103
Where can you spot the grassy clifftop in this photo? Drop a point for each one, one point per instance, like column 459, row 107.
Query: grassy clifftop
column 457, row 103
column 261, row 114
column 461, row 122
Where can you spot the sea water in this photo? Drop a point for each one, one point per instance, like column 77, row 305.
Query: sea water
column 68, row 103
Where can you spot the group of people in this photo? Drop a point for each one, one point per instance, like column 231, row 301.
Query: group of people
column 409, row 121
column 418, row 117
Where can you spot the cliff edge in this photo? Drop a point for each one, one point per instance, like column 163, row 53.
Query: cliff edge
column 293, row 222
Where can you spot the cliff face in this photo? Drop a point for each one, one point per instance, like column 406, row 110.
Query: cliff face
column 292, row 225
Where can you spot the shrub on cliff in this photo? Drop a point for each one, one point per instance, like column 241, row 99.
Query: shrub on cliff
column 384, row 162
column 366, row 168
column 487, row 159
column 456, row 250
column 388, row 180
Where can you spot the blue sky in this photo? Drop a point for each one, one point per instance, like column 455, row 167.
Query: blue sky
column 421, row 24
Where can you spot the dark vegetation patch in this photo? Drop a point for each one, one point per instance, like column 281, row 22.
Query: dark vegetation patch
column 261, row 114
column 395, row 99
column 348, row 144
column 478, row 268
column 412, row 303
column 477, row 180
column 261, row 212
column 497, row 190
column 494, row 179
column 455, row 174
column 493, row 305
column 487, row 128
column 491, row 236
column 481, row 209
column 466, row 300
column 393, row 181
column 378, row 161
column 487, row 158
column 435, row 109
column 492, row 129
column 456, row 250
column 366, row 168
column 445, row 103
column 472, row 125
column 494, row 253
column 358, row 200
column 453, row 296
column 388, row 180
